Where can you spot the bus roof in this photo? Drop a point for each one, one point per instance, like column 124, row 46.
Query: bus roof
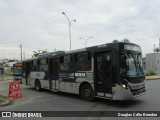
column 29, row 59
column 59, row 53
column 19, row 64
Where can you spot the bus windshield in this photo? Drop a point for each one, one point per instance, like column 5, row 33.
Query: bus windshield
column 131, row 64
column 17, row 70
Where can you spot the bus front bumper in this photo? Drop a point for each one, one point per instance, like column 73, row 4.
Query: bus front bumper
column 123, row 94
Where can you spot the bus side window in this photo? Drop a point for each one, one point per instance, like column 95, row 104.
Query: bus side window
column 75, row 62
column 89, row 56
column 67, row 60
column 62, row 63
column 34, row 65
column 89, row 63
column 84, row 61
column 38, row 65
column 75, row 57
column 71, row 63
column 44, row 64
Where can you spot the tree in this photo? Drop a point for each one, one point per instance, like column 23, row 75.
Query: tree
column 36, row 53
column 157, row 50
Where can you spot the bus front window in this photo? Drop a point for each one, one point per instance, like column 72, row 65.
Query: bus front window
column 17, row 70
column 131, row 65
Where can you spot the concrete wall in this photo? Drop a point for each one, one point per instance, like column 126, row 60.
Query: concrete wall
column 157, row 63
column 153, row 62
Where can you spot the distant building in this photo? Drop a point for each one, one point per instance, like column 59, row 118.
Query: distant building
column 1, row 71
column 144, row 63
column 10, row 64
column 1, row 68
column 153, row 62
column 6, row 64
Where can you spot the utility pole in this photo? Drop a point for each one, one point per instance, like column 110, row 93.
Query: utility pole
column 2, row 53
column 21, row 51
column 69, row 21
column 85, row 40
column 23, row 55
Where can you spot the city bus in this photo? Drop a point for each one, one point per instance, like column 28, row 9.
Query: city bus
column 111, row 71
column 17, row 71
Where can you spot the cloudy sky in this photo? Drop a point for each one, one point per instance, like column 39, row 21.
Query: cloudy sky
column 40, row 24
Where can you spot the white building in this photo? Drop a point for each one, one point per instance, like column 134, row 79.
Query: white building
column 153, row 62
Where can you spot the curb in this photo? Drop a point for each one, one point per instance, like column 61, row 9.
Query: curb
column 5, row 79
column 6, row 102
column 152, row 79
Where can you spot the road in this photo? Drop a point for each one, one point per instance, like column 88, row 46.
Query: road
column 45, row 100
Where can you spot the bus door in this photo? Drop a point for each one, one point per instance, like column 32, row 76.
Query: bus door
column 27, row 72
column 103, row 74
column 53, row 72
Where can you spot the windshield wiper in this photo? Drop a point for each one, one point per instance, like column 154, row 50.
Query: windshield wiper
column 140, row 67
column 134, row 61
column 137, row 64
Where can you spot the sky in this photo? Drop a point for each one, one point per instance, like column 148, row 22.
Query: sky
column 40, row 24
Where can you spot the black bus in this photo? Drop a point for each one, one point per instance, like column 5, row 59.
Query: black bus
column 111, row 71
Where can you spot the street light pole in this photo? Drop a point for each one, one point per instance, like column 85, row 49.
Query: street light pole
column 21, row 51
column 85, row 40
column 69, row 27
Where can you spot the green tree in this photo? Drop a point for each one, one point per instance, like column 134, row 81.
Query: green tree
column 38, row 52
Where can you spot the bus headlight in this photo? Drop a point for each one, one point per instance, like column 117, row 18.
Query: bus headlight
column 124, row 86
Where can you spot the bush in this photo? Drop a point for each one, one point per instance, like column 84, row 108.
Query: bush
column 150, row 73
column 9, row 72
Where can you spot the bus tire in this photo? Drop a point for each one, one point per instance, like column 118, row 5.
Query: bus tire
column 87, row 93
column 37, row 85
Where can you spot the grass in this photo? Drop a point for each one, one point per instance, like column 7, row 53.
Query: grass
column 4, row 100
column 150, row 73
column 3, row 97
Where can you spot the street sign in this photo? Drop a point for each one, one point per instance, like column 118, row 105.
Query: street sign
column 14, row 90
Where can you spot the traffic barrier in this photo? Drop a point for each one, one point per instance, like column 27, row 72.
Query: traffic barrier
column 14, row 90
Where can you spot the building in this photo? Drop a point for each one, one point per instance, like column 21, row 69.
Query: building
column 153, row 63
column 144, row 63
column 1, row 71
column 1, row 68
column 6, row 65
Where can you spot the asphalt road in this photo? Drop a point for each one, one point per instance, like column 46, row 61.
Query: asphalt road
column 45, row 100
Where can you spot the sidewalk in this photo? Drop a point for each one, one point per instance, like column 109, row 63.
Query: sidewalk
column 152, row 77
column 4, row 101
column 4, row 78
column 4, row 85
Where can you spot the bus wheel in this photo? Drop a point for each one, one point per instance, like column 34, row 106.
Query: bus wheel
column 86, row 92
column 37, row 85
